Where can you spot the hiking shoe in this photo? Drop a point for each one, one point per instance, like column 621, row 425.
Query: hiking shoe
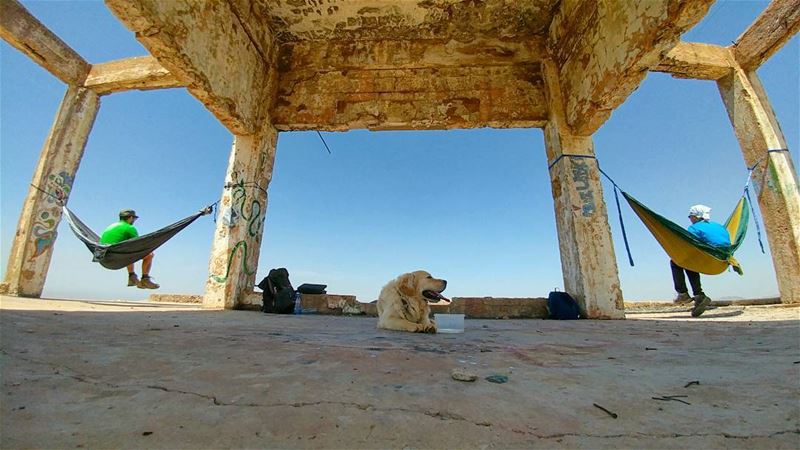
column 147, row 283
column 682, row 298
column 133, row 279
column 701, row 302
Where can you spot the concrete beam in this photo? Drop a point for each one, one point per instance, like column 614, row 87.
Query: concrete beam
column 774, row 177
column 24, row 32
column 242, row 210
column 603, row 49
column 61, row 155
column 407, row 54
column 698, row 61
column 773, row 28
column 142, row 73
column 204, row 45
column 431, row 98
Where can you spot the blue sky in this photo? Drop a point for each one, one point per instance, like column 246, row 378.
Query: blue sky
column 471, row 206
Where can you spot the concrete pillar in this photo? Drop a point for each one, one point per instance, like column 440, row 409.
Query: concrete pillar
column 242, row 209
column 774, row 178
column 61, row 155
column 588, row 263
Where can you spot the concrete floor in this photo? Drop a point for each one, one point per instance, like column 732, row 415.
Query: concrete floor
column 138, row 375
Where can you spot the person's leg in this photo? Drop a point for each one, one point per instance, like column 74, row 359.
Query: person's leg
column 679, row 282
column 701, row 301
column 694, row 280
column 147, row 263
column 146, row 282
column 133, row 279
column 678, row 279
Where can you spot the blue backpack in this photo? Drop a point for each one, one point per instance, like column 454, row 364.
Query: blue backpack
column 562, row 306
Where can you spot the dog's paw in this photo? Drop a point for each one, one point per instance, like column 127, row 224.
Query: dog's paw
column 427, row 328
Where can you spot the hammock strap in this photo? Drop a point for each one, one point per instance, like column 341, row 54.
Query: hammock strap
column 747, row 191
column 616, row 198
column 60, row 200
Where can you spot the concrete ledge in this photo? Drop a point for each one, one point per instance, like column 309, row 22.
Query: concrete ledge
column 472, row 307
column 176, row 298
column 636, row 306
column 499, row 308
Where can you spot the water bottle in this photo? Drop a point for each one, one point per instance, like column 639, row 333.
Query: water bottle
column 297, row 309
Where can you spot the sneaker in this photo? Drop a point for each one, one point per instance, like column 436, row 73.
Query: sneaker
column 701, row 302
column 682, row 298
column 133, row 279
column 147, row 283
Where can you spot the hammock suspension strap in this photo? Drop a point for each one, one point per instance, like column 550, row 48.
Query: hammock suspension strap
column 616, row 197
column 747, row 190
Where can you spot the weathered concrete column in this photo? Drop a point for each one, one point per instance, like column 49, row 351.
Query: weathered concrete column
column 61, row 155
column 242, row 209
column 588, row 262
column 774, row 178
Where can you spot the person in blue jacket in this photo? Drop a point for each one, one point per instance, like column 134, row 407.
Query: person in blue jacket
column 711, row 233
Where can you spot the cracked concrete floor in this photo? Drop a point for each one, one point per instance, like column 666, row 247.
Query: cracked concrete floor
column 147, row 375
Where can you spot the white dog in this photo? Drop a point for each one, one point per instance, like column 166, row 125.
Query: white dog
column 403, row 303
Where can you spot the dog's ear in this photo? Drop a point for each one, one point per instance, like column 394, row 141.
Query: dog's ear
column 407, row 285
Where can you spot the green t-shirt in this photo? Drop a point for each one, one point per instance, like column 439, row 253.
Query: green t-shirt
column 118, row 232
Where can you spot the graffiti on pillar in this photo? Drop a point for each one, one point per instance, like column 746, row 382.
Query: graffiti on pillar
column 43, row 231
column 253, row 218
column 44, row 234
column 580, row 176
column 59, row 186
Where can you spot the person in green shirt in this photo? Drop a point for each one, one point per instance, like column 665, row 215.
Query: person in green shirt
column 122, row 231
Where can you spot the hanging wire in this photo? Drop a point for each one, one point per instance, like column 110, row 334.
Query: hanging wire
column 323, row 142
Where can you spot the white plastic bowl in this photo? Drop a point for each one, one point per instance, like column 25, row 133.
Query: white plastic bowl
column 449, row 323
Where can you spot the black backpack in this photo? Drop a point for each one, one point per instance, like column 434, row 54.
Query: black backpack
column 278, row 294
column 562, row 306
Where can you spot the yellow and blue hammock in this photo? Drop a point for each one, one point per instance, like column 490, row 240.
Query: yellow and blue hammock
column 682, row 246
column 687, row 250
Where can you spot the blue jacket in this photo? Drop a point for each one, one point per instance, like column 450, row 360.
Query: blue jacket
column 711, row 233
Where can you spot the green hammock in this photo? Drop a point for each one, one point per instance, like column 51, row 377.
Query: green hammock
column 687, row 250
column 119, row 255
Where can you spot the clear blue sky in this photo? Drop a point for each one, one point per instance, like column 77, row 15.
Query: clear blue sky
column 471, row 206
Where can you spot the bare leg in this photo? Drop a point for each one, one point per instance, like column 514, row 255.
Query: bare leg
column 147, row 262
column 131, row 268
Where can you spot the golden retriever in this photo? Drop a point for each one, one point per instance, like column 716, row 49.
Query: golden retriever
column 403, row 302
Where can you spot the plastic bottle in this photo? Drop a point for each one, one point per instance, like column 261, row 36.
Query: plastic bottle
column 297, row 308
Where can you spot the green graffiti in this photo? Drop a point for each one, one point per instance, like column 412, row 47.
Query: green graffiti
column 253, row 219
column 224, row 278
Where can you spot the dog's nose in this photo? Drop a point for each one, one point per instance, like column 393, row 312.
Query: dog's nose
column 445, row 284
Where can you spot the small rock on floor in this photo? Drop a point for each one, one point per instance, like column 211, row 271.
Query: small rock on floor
column 497, row 379
column 463, row 375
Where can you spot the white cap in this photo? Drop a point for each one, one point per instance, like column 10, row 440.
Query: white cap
column 700, row 211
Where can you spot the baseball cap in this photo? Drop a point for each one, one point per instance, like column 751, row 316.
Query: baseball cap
column 125, row 213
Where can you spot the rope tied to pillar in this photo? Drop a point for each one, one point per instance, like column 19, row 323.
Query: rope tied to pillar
column 60, row 200
column 616, row 196
column 569, row 155
column 747, row 190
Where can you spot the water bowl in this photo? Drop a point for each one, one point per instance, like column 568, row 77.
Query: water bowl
column 449, row 323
